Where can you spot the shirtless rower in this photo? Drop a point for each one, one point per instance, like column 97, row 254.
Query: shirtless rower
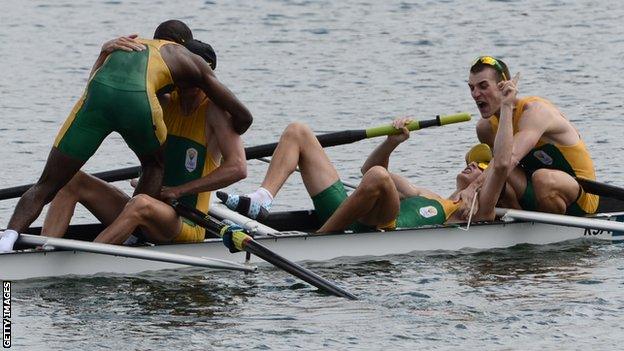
column 121, row 96
column 199, row 135
column 382, row 200
column 547, row 147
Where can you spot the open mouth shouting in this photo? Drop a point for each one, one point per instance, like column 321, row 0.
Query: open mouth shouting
column 484, row 108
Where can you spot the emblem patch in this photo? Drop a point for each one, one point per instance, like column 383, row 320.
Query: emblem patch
column 191, row 160
column 428, row 211
column 543, row 157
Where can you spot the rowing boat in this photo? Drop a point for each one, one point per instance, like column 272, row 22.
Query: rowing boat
column 291, row 235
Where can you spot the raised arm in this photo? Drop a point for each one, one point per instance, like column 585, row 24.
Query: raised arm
column 221, row 95
column 381, row 155
column 535, row 121
column 496, row 176
column 486, row 135
column 226, row 143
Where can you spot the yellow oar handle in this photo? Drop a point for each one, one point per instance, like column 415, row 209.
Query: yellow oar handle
column 415, row 125
column 456, row 118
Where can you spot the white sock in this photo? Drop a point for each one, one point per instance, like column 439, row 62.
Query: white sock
column 7, row 240
column 261, row 196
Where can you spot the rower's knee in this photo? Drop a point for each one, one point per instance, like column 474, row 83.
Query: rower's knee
column 140, row 207
column 68, row 193
column 377, row 178
column 298, row 131
column 549, row 191
column 77, row 184
column 543, row 180
column 48, row 188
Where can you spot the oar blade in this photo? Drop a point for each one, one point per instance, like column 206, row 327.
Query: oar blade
column 238, row 239
column 298, row 271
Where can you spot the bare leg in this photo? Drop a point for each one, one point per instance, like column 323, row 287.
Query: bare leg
column 299, row 147
column 555, row 190
column 158, row 221
column 102, row 199
column 59, row 170
column 152, row 168
column 374, row 202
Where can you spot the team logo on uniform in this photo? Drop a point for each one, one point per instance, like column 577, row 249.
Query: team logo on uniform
column 543, row 157
column 428, row 211
column 191, row 160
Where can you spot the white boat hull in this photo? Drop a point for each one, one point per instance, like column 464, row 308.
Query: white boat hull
column 298, row 246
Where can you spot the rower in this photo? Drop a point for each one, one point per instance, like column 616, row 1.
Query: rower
column 203, row 153
column 382, row 200
column 121, row 96
column 547, row 147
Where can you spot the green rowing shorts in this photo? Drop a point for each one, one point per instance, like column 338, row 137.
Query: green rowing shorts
column 528, row 202
column 327, row 202
column 103, row 110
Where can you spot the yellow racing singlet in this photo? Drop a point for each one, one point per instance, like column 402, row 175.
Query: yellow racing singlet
column 572, row 159
column 187, row 159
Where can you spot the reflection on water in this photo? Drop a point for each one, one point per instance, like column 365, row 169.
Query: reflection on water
column 534, row 264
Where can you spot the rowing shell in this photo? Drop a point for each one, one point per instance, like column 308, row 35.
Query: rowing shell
column 303, row 246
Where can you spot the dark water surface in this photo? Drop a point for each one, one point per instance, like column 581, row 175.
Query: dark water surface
column 335, row 65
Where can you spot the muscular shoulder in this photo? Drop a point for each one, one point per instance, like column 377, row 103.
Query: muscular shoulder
column 538, row 113
column 485, row 134
column 184, row 66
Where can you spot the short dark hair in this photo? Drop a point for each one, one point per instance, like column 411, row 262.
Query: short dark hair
column 173, row 30
column 204, row 50
column 502, row 71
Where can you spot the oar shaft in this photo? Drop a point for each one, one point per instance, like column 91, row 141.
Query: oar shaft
column 602, row 189
column 107, row 176
column 556, row 219
column 131, row 252
column 326, row 140
column 293, row 268
column 253, row 152
column 351, row 136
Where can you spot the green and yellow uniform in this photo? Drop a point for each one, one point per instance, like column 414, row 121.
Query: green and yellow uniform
column 187, row 159
column 120, row 97
column 415, row 211
column 421, row 210
column 572, row 159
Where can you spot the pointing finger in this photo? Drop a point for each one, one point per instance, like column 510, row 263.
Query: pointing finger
column 516, row 78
